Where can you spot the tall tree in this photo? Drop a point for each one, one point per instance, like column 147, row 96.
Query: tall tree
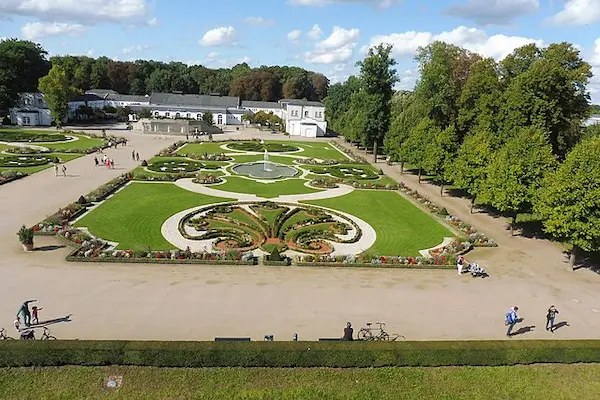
column 569, row 199
column 99, row 76
column 57, row 92
column 439, row 154
column 298, row 87
column 337, row 102
column 378, row 77
column 22, row 64
column 320, row 85
column 515, row 174
column 413, row 149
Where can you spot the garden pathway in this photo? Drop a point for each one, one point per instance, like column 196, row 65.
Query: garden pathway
column 180, row 302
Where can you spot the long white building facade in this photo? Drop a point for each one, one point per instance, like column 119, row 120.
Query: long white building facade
column 301, row 117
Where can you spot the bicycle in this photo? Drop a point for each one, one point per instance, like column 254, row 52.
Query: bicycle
column 46, row 335
column 369, row 335
column 3, row 335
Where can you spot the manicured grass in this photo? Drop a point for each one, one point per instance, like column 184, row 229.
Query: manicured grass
column 272, row 189
column 201, row 148
column 534, row 382
column 402, row 228
column 134, row 216
column 321, row 150
column 83, row 143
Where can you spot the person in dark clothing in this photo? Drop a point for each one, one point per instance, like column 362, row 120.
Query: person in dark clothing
column 348, row 332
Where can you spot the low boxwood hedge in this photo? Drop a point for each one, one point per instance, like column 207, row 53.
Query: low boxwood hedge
column 296, row 354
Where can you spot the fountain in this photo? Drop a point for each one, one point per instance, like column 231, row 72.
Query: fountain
column 265, row 169
column 266, row 164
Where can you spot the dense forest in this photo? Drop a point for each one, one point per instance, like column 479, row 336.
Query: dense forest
column 23, row 63
column 507, row 134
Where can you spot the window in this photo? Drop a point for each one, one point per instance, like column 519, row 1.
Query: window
column 198, row 116
column 306, row 113
column 177, row 115
column 188, row 116
column 26, row 121
column 219, row 119
column 167, row 114
column 156, row 114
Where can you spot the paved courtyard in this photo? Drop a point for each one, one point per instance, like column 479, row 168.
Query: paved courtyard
column 119, row 301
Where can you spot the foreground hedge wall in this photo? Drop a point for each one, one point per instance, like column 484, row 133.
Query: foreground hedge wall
column 295, row 354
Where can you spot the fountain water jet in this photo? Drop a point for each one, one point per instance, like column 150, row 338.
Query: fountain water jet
column 266, row 164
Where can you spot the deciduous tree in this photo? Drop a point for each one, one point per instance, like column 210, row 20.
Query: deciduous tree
column 57, row 92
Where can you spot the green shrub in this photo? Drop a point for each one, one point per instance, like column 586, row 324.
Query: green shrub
column 296, row 354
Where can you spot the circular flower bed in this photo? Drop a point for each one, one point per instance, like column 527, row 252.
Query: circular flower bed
column 24, row 161
column 174, row 166
column 258, row 146
column 20, row 136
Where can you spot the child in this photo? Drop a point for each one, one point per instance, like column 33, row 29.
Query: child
column 34, row 314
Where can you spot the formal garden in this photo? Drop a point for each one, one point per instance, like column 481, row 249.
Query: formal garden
column 275, row 202
column 24, row 152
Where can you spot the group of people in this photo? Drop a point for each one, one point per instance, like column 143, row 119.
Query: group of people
column 29, row 318
column 63, row 168
column 474, row 269
column 135, row 156
column 107, row 162
column 511, row 319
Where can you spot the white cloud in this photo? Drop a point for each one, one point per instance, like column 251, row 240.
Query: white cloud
column 408, row 79
column 315, row 32
column 473, row 39
column 594, row 60
column 152, row 21
column 135, row 49
column 221, row 36
column 493, row 12
column 37, row 30
column 216, row 60
column 83, row 11
column 260, row 21
column 336, row 48
column 578, row 12
column 320, row 3
column 294, row 35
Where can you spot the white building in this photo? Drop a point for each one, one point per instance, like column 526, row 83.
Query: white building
column 301, row 117
column 32, row 110
column 593, row 120
column 304, row 118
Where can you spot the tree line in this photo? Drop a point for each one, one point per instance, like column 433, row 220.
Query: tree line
column 23, row 63
column 509, row 134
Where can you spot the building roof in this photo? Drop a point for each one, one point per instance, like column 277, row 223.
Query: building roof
column 260, row 104
column 194, row 100
column 88, row 97
column 184, row 109
column 128, row 97
column 101, row 92
column 301, row 102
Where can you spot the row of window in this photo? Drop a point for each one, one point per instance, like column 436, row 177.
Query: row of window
column 189, row 116
column 318, row 114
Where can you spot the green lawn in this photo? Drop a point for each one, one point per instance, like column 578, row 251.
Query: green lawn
column 402, row 228
column 237, row 184
column 321, row 150
column 83, row 143
column 201, row 148
column 134, row 216
column 533, row 382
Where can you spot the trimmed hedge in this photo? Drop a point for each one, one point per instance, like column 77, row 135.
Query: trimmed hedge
column 16, row 353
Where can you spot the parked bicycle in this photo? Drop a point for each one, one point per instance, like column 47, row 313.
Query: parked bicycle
column 31, row 335
column 3, row 335
column 372, row 334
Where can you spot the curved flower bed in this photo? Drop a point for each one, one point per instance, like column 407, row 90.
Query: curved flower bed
column 24, row 161
column 9, row 176
column 19, row 136
column 207, row 179
column 175, row 166
column 257, row 146
column 345, row 171
column 316, row 161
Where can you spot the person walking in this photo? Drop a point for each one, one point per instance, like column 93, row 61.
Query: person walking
column 550, row 316
column 511, row 320
column 137, row 156
column 96, row 162
column 133, row 155
column 460, row 263
column 64, row 170
column 55, row 169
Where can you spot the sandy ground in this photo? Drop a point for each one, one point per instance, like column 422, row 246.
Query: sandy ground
column 201, row 302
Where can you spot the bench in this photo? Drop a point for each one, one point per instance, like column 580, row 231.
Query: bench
column 232, row 339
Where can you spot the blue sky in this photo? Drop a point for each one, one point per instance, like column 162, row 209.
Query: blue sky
column 322, row 35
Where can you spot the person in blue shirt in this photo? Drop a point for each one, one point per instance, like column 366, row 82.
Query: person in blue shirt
column 24, row 311
column 511, row 319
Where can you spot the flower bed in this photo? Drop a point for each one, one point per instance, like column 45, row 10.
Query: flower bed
column 257, row 146
column 175, row 166
column 207, row 179
column 345, row 171
column 27, row 150
column 280, row 263
column 19, row 136
column 24, row 161
column 163, row 177
column 109, row 188
column 324, row 183
column 366, row 260
column 9, row 176
column 206, row 157
column 357, row 159
column 316, row 161
column 170, row 151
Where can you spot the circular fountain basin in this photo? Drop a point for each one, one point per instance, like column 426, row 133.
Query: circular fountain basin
column 265, row 170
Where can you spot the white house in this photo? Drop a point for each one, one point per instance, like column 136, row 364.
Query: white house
column 266, row 106
column 593, row 120
column 304, row 118
column 31, row 110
